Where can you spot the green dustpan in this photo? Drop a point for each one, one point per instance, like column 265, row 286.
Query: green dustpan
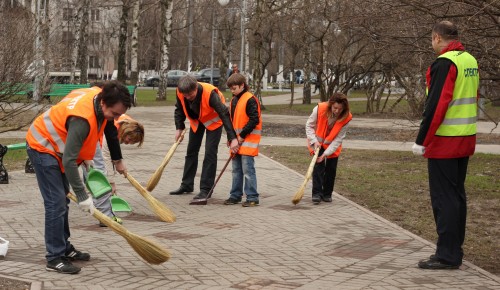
column 97, row 183
column 119, row 204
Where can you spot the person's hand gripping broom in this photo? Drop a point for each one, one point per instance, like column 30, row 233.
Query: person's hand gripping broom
column 149, row 250
column 300, row 192
column 155, row 178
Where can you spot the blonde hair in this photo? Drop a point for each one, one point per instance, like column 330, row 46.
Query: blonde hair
column 132, row 129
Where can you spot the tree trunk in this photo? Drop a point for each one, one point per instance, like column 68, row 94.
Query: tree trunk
column 134, row 70
column 83, row 58
column 166, row 32
column 122, row 43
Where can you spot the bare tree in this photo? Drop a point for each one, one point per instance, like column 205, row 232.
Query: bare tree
column 166, row 31
column 134, row 69
column 16, row 74
column 83, row 56
column 122, row 41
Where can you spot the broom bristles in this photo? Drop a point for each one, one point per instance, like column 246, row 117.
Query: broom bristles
column 149, row 250
column 159, row 208
column 155, row 178
column 300, row 193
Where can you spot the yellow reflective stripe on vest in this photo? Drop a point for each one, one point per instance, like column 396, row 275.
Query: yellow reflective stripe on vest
column 53, row 133
column 210, row 122
column 254, row 131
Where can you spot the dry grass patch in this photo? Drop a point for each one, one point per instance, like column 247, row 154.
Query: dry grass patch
column 394, row 185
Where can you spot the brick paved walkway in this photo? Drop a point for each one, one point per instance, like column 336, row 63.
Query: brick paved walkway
column 273, row 246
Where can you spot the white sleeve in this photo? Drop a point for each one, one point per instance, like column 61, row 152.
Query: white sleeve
column 311, row 126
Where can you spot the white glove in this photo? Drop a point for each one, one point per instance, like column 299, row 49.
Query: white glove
column 87, row 205
column 418, row 150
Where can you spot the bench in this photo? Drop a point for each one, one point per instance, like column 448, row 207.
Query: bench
column 61, row 90
column 17, row 89
column 4, row 176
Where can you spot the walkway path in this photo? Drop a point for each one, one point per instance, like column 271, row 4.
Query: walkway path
column 273, row 246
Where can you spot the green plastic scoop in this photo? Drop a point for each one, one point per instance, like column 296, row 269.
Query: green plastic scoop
column 97, row 183
column 119, row 204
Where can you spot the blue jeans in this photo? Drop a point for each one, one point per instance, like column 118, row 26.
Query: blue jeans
column 54, row 186
column 244, row 173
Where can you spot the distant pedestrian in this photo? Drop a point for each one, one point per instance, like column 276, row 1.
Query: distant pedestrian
column 326, row 128
column 233, row 70
column 447, row 137
column 298, row 73
column 247, row 122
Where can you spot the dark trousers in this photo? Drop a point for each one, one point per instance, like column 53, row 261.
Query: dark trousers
column 209, row 168
column 449, row 206
column 324, row 174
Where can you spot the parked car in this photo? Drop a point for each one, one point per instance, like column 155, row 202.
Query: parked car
column 173, row 77
column 204, row 76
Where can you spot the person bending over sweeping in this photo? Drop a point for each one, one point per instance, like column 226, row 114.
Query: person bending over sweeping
column 57, row 142
column 129, row 132
column 204, row 106
column 327, row 127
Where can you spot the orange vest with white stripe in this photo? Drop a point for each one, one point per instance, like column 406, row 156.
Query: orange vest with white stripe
column 250, row 145
column 208, row 116
column 48, row 132
column 322, row 126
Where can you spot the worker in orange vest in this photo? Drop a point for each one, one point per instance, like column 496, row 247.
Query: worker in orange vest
column 57, row 142
column 247, row 122
column 326, row 128
column 204, row 106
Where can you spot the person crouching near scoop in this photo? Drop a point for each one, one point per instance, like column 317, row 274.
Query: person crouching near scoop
column 326, row 128
column 130, row 132
column 57, row 142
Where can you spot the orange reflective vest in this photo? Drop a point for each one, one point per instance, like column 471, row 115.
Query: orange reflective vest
column 250, row 145
column 322, row 126
column 48, row 132
column 208, row 116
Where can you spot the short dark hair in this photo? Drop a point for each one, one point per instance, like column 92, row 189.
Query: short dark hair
column 237, row 79
column 446, row 29
column 114, row 92
column 187, row 84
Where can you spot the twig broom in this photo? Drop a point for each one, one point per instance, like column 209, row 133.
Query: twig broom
column 155, row 178
column 149, row 250
column 300, row 192
column 160, row 209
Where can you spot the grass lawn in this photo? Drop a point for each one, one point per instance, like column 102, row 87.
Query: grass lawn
column 394, row 185
column 147, row 97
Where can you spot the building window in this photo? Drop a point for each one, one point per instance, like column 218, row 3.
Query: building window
column 94, row 15
column 67, row 14
column 93, row 61
column 94, row 39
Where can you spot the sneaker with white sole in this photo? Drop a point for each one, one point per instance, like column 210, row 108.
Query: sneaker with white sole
column 74, row 254
column 62, row 265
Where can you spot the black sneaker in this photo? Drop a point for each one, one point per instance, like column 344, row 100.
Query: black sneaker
column 316, row 199
column 435, row 264
column 250, row 203
column 74, row 255
column 231, row 200
column 62, row 265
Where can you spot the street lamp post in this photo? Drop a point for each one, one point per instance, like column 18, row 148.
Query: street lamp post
column 222, row 3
